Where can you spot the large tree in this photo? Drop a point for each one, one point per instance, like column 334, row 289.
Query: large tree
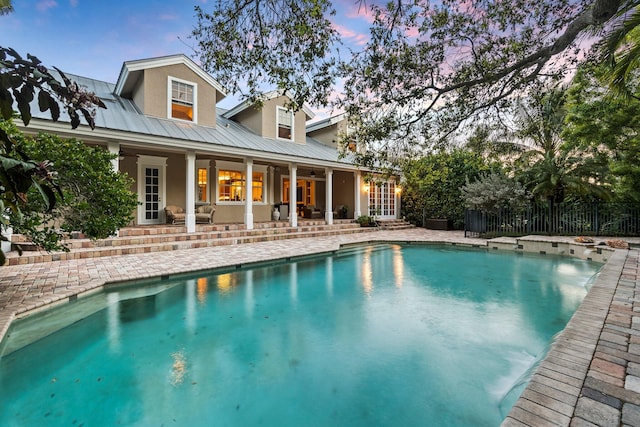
column 24, row 81
column 95, row 199
column 532, row 145
column 5, row 7
column 284, row 43
column 432, row 185
column 601, row 119
column 428, row 66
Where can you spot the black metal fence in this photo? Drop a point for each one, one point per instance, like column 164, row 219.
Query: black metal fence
column 594, row 219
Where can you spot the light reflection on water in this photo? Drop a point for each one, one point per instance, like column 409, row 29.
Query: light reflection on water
column 387, row 335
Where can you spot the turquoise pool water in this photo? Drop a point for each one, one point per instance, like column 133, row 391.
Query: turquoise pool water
column 383, row 335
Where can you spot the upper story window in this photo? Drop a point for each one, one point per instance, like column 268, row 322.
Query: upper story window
column 182, row 103
column 285, row 123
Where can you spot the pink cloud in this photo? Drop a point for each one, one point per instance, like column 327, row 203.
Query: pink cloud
column 358, row 39
column 45, row 5
column 355, row 10
column 412, row 32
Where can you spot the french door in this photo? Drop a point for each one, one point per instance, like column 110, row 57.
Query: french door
column 151, row 189
column 382, row 200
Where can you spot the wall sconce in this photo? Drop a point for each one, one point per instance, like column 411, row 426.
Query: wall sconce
column 313, row 173
column 398, row 190
column 365, row 188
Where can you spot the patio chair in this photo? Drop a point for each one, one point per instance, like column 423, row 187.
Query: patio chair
column 204, row 214
column 174, row 214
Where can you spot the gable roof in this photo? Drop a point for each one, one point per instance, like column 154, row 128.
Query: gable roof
column 132, row 69
column 266, row 96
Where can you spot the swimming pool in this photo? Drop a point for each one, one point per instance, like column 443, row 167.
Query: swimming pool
column 381, row 335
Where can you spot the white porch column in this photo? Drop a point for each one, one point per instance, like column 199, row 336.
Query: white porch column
column 328, row 214
column 114, row 148
column 248, row 200
column 190, row 191
column 293, row 203
column 357, row 211
column 272, row 198
column 398, row 196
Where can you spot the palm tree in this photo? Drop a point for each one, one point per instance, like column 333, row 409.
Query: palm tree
column 551, row 168
column 5, row 7
column 620, row 49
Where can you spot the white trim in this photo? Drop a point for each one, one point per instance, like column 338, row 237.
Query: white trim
column 328, row 190
column 170, row 80
column 152, row 160
column 190, row 202
column 166, row 142
column 238, row 166
column 293, row 124
column 326, row 122
column 242, row 168
column 248, row 199
column 293, row 204
column 204, row 164
column 265, row 97
column 143, row 64
column 357, row 212
column 380, row 197
column 161, row 164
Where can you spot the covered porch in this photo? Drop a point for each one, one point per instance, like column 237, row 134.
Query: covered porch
column 243, row 189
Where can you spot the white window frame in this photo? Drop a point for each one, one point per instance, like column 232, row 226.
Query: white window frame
column 293, row 122
column 170, row 81
column 204, row 164
column 242, row 168
column 160, row 163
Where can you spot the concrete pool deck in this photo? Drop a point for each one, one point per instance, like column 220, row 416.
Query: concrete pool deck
column 591, row 375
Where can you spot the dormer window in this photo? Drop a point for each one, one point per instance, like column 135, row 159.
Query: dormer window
column 285, row 123
column 183, row 100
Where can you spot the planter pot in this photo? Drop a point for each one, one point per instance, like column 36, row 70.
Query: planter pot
column 7, row 232
column 276, row 214
column 438, row 224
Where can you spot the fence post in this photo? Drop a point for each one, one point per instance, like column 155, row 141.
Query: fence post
column 466, row 221
column 597, row 219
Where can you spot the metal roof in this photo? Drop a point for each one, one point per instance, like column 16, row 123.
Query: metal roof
column 265, row 97
column 122, row 115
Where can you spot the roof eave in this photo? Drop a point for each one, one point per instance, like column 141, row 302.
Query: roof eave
column 142, row 64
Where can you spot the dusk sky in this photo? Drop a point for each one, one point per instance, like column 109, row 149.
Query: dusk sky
column 93, row 38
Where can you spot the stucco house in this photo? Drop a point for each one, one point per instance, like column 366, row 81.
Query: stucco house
column 163, row 122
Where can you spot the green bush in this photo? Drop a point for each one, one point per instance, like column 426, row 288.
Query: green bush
column 366, row 221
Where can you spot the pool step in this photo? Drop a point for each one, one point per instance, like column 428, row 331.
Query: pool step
column 139, row 240
column 394, row 224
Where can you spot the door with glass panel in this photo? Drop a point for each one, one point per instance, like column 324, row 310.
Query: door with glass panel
column 382, row 200
column 152, row 195
column 151, row 189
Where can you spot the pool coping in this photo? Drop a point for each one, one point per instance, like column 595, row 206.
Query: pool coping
column 590, row 375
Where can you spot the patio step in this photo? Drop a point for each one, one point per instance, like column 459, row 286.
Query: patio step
column 159, row 239
column 394, row 224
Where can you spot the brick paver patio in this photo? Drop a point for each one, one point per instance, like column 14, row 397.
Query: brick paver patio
column 591, row 375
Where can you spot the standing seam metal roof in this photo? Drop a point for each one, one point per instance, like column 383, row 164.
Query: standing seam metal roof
column 121, row 114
